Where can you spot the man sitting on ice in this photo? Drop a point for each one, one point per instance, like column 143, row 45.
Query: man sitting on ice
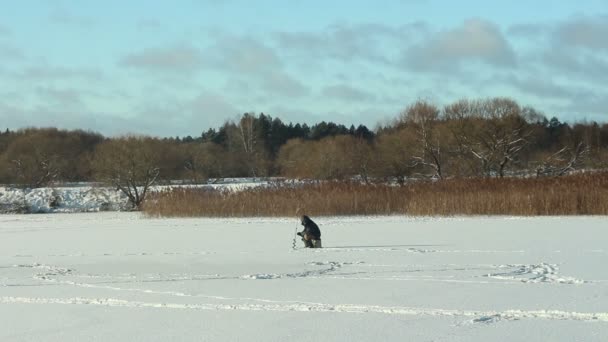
column 311, row 235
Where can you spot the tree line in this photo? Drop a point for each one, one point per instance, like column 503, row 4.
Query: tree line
column 247, row 147
column 492, row 137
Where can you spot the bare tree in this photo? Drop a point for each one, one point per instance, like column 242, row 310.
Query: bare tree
column 492, row 131
column 423, row 117
column 130, row 164
column 294, row 159
column 34, row 159
column 563, row 161
column 37, row 172
column 361, row 155
column 206, row 160
column 396, row 155
column 508, row 131
column 246, row 139
column 333, row 158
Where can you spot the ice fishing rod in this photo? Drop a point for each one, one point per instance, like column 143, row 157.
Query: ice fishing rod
column 293, row 244
column 295, row 233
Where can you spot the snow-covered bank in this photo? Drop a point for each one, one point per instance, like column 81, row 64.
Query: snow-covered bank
column 121, row 277
column 89, row 198
column 61, row 199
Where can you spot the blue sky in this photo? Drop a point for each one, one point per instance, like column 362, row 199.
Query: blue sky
column 180, row 67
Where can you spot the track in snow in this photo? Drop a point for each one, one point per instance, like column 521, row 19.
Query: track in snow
column 475, row 316
column 538, row 273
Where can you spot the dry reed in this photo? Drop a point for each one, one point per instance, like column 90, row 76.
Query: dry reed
column 582, row 194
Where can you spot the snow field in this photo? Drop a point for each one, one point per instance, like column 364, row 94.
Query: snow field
column 122, row 277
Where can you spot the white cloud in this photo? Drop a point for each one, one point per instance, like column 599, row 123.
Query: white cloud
column 63, row 97
column 178, row 58
column 8, row 52
column 345, row 43
column 349, row 93
column 542, row 88
column 242, row 54
column 474, row 40
column 180, row 117
column 213, row 107
column 44, row 72
column 249, row 61
column 278, row 82
column 575, row 49
column 589, row 32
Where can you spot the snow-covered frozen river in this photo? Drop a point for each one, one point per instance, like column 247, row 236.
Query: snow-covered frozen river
column 123, row 277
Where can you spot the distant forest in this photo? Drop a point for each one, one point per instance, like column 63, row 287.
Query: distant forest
column 493, row 137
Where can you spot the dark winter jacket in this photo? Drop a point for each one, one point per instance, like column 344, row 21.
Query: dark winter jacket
column 310, row 228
